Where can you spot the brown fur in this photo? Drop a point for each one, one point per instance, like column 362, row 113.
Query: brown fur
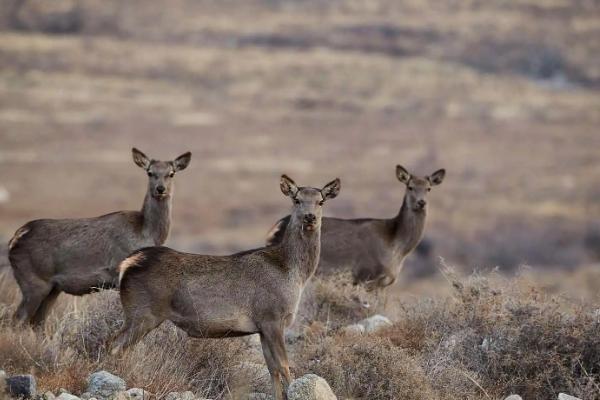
column 373, row 249
column 255, row 291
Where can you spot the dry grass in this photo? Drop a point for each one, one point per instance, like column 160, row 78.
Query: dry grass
column 74, row 341
column 490, row 338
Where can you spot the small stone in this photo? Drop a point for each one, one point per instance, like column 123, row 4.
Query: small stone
column 103, row 385
column 310, row 387
column 67, row 396
column 375, row 323
column 21, row 386
column 172, row 396
column 564, row 396
column 138, row 394
column 120, row 396
column 86, row 396
column 514, row 397
column 259, row 396
column 187, row 395
column 252, row 340
column 48, row 396
column 353, row 330
column 63, row 390
column 2, row 382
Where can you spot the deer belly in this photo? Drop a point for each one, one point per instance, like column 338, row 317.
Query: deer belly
column 215, row 327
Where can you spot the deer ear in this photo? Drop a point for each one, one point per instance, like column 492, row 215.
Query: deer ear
column 437, row 177
column 288, row 186
column 402, row 174
column 182, row 161
column 140, row 159
column 331, row 190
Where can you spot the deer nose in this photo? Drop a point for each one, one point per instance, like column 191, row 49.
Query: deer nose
column 160, row 189
column 421, row 203
column 310, row 218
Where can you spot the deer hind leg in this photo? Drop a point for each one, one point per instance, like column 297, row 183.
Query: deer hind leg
column 273, row 345
column 133, row 331
column 40, row 315
column 33, row 294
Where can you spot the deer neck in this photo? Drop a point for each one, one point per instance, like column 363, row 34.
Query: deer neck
column 408, row 228
column 157, row 218
column 301, row 249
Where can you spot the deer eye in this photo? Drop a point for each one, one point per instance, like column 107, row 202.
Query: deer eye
column 150, row 174
column 429, row 189
column 410, row 188
column 321, row 202
column 172, row 174
column 296, row 201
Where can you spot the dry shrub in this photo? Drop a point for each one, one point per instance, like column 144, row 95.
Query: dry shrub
column 74, row 344
column 334, row 301
column 366, row 368
column 495, row 339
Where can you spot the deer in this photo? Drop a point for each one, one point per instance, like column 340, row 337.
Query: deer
column 373, row 250
column 254, row 291
column 81, row 256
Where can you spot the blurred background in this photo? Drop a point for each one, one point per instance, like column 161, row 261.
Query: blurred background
column 504, row 95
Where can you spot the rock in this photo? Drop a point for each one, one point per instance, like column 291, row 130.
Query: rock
column 67, row 396
column 259, row 396
column 21, row 386
column 181, row 396
column 255, row 371
column 514, row 397
column 86, row 396
column 138, row 394
column 564, row 396
column 119, row 396
column 2, row 382
column 354, row 329
column 310, row 387
column 252, row 340
column 48, row 396
column 104, row 385
column 375, row 323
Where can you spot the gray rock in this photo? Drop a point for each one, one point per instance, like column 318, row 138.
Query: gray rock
column 181, row 396
column 252, row 340
column 67, row 396
column 310, row 387
column 187, row 395
column 353, row 330
column 103, row 385
column 514, row 397
column 86, row 396
column 21, row 386
column 375, row 323
column 255, row 372
column 564, row 396
column 138, row 394
column 259, row 396
column 2, row 382
column 48, row 396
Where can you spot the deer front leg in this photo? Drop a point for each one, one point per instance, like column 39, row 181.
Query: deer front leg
column 273, row 345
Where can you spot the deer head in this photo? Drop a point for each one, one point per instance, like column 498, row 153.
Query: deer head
column 308, row 201
column 160, row 173
column 418, row 187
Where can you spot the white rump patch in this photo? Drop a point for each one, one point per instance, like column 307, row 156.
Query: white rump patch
column 22, row 231
column 129, row 262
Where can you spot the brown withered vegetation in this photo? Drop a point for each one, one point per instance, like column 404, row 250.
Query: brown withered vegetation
column 488, row 337
column 74, row 344
column 491, row 337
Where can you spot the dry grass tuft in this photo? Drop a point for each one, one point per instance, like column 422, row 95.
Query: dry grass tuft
column 74, row 344
column 366, row 368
